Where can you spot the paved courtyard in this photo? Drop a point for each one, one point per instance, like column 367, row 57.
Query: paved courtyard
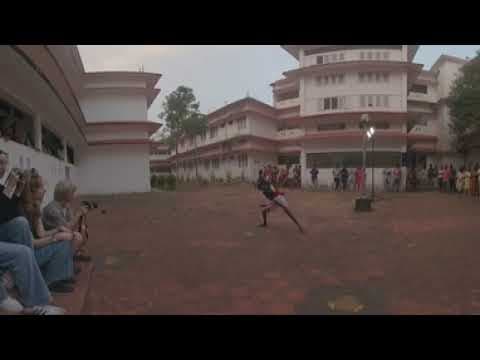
column 198, row 251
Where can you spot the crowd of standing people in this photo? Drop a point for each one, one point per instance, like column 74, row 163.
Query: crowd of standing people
column 288, row 176
column 447, row 178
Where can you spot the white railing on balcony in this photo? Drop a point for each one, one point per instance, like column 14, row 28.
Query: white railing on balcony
column 422, row 97
column 287, row 103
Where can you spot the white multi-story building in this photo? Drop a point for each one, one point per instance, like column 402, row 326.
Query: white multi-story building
column 90, row 127
column 316, row 112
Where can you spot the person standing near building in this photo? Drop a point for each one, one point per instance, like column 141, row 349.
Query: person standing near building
column 453, row 177
column 397, row 176
column 314, row 175
column 336, row 178
column 446, row 178
column 430, row 175
column 344, row 178
column 466, row 181
column 440, row 178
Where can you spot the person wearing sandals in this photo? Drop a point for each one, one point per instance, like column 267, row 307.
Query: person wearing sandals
column 53, row 249
column 58, row 213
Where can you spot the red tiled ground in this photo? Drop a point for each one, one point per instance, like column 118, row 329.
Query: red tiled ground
column 199, row 252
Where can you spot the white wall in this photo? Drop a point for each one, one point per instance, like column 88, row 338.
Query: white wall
column 262, row 127
column 114, row 107
column 50, row 168
column 352, row 89
column 112, row 169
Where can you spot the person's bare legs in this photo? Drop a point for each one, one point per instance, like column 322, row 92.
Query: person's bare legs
column 264, row 217
column 290, row 215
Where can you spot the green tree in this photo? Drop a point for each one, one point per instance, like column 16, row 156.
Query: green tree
column 178, row 107
column 464, row 104
column 194, row 126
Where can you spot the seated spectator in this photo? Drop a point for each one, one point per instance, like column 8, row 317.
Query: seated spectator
column 18, row 259
column 58, row 214
column 54, row 248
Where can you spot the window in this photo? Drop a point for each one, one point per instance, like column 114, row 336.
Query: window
column 342, row 56
column 242, row 124
column 243, row 161
column 382, row 125
column 378, row 99
column 385, row 101
column 319, row 80
column 362, row 55
column 319, row 60
column 341, row 78
column 370, row 77
column 377, row 55
column 362, row 101
column 369, row 55
column 70, row 155
column 326, row 59
column 320, row 104
column 330, row 127
column 370, row 100
column 334, row 58
column 206, row 164
column 334, row 79
column 325, row 80
column 326, row 104
column 215, row 163
column 386, row 77
column 334, row 103
column 213, row 132
column 342, row 102
column 377, row 77
column 421, row 89
column 52, row 144
column 203, row 136
column 361, row 77
column 386, row 55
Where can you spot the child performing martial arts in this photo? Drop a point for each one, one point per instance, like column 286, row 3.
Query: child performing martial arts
column 275, row 199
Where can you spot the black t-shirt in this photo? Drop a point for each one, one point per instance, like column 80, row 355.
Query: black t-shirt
column 314, row 173
column 8, row 207
column 266, row 188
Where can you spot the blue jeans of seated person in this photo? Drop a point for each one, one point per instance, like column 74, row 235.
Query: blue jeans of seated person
column 20, row 261
column 16, row 231
column 55, row 260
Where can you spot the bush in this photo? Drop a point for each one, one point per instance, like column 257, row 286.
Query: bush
column 161, row 181
column 229, row 177
column 153, row 181
column 170, row 182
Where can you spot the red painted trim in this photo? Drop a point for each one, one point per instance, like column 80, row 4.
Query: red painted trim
column 120, row 142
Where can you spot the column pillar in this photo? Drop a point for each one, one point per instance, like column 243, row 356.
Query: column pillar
column 37, row 129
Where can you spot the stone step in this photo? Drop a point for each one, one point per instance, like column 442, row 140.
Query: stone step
column 74, row 302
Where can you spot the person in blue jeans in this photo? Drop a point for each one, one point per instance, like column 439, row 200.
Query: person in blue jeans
column 17, row 256
column 54, row 248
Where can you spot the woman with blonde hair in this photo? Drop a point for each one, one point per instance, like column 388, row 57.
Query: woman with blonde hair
column 53, row 250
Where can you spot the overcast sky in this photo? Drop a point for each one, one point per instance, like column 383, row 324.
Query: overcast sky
column 219, row 73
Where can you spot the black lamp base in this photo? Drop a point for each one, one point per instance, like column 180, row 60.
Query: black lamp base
column 363, row 204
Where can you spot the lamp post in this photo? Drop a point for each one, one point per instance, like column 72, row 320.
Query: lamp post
column 363, row 203
column 370, row 135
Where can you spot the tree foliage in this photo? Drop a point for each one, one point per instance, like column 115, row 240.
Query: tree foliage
column 182, row 117
column 464, row 104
